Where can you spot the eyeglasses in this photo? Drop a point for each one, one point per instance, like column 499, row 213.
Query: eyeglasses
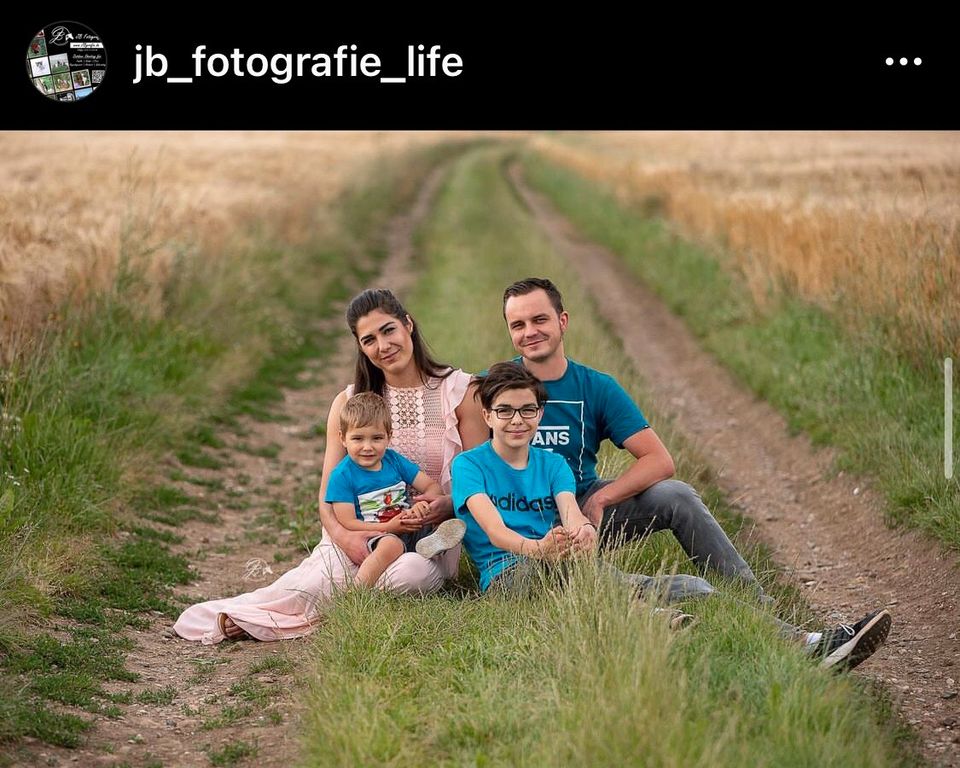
column 505, row 412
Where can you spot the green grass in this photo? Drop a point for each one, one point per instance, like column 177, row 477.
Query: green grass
column 277, row 664
column 229, row 715
column 845, row 388
column 167, row 537
column 192, row 457
column 88, row 413
column 161, row 696
column 582, row 673
column 252, row 691
column 269, row 451
column 233, row 753
column 44, row 672
column 204, row 434
column 205, row 667
column 39, row 722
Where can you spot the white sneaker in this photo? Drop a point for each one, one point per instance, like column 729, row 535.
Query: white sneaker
column 448, row 534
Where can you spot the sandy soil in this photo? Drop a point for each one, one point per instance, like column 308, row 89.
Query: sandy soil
column 825, row 530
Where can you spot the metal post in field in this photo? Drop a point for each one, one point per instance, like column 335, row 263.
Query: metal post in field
column 948, row 417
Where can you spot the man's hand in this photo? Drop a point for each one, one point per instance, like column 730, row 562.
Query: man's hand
column 593, row 508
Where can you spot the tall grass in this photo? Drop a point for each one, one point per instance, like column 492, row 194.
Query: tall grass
column 580, row 673
column 843, row 386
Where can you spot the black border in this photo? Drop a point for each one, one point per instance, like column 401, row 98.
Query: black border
column 672, row 71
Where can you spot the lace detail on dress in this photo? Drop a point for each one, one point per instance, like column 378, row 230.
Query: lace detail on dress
column 417, row 426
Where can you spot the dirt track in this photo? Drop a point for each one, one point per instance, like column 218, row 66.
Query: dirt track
column 201, row 716
column 826, row 531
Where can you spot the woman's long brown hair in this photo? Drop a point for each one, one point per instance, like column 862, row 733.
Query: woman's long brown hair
column 367, row 377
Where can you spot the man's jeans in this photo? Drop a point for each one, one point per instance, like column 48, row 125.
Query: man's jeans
column 675, row 506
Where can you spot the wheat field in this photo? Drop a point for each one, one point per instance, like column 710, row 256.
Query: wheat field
column 72, row 205
column 866, row 224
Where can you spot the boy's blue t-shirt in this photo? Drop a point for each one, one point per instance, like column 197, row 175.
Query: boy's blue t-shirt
column 376, row 495
column 584, row 408
column 525, row 499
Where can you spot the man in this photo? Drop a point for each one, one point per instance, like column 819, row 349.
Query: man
column 585, row 407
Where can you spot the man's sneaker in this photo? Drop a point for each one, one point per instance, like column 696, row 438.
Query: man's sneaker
column 448, row 534
column 849, row 645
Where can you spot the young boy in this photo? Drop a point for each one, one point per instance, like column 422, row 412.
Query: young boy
column 368, row 490
column 510, row 494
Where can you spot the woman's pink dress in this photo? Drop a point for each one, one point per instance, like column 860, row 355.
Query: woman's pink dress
column 425, row 431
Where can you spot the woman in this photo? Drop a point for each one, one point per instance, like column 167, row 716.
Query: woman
column 433, row 420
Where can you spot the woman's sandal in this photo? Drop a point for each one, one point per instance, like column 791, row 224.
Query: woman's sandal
column 230, row 629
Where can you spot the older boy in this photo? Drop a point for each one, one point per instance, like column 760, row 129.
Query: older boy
column 509, row 494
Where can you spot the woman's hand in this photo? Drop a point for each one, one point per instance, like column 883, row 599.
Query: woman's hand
column 354, row 544
column 440, row 508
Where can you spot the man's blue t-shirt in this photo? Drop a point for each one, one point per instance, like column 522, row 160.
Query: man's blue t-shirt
column 585, row 407
column 525, row 499
column 376, row 495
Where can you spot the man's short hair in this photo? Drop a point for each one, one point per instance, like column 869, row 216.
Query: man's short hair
column 363, row 410
column 531, row 284
column 503, row 377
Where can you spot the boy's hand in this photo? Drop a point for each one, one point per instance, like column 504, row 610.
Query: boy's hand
column 420, row 510
column 405, row 522
column 584, row 538
column 555, row 545
column 440, row 508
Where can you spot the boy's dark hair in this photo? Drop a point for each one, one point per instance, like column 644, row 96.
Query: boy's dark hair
column 505, row 376
column 531, row 284
column 363, row 410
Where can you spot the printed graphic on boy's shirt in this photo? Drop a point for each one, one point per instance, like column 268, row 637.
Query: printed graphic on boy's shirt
column 384, row 504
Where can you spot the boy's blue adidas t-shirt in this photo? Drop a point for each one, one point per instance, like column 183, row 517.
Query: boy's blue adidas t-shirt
column 525, row 499
column 584, row 408
column 372, row 492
